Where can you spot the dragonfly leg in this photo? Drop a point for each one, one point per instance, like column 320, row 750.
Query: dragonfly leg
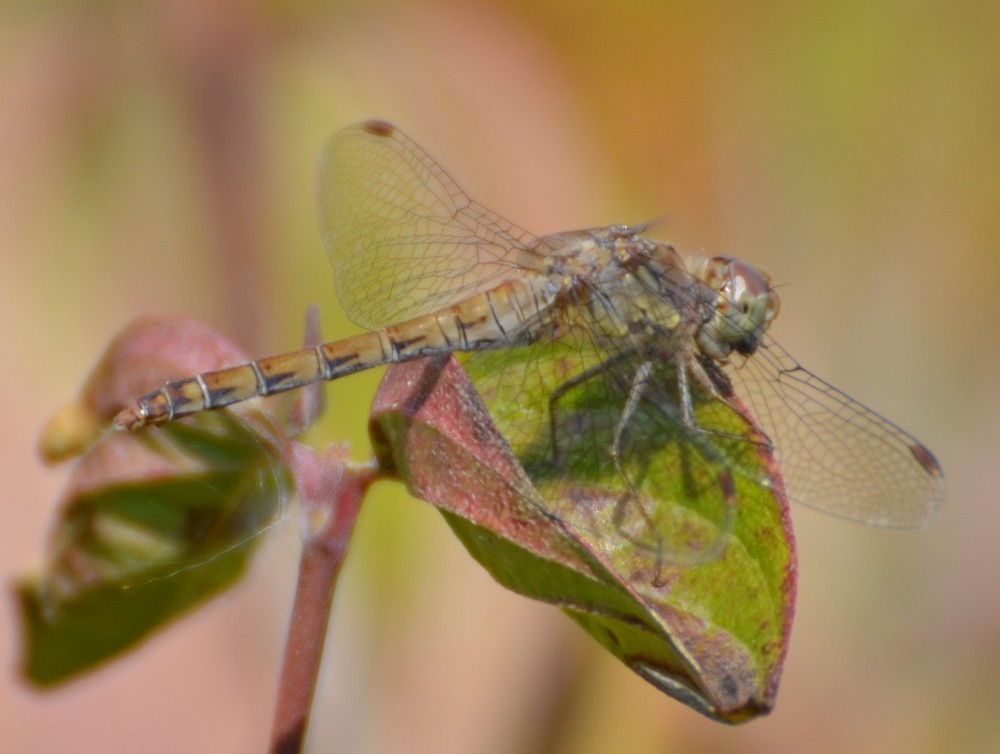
column 711, row 377
column 717, row 384
column 571, row 384
column 679, row 414
column 645, row 396
column 640, row 380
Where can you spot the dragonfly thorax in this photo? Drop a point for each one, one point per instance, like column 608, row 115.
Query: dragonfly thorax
column 743, row 309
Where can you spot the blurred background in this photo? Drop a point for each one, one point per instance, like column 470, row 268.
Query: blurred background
column 158, row 157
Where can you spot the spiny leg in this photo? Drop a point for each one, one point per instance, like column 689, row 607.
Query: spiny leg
column 572, row 383
column 716, row 383
column 638, row 387
column 718, row 386
column 680, row 417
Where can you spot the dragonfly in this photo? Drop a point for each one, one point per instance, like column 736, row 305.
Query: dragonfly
column 427, row 270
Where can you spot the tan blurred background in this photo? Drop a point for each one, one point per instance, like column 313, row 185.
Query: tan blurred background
column 157, row 157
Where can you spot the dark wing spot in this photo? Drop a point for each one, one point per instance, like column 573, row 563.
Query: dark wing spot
column 378, row 128
column 926, row 459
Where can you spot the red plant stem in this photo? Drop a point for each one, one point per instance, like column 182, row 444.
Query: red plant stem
column 331, row 490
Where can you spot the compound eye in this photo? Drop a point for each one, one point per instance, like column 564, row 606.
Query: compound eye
column 750, row 288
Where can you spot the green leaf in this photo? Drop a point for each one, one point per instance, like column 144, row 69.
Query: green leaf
column 711, row 632
column 154, row 524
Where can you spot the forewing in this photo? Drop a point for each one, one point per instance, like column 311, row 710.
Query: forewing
column 404, row 239
column 836, row 454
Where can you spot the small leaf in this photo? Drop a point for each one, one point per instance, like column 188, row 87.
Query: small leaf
column 132, row 555
column 712, row 635
column 153, row 523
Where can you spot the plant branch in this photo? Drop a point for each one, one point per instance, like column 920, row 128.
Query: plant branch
column 331, row 489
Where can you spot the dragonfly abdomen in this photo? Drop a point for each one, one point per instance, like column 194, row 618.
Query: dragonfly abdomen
column 224, row 387
column 487, row 320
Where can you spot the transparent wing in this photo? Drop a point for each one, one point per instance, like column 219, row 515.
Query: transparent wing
column 404, row 239
column 835, row 454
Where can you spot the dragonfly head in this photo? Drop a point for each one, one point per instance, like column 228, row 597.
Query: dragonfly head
column 743, row 308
